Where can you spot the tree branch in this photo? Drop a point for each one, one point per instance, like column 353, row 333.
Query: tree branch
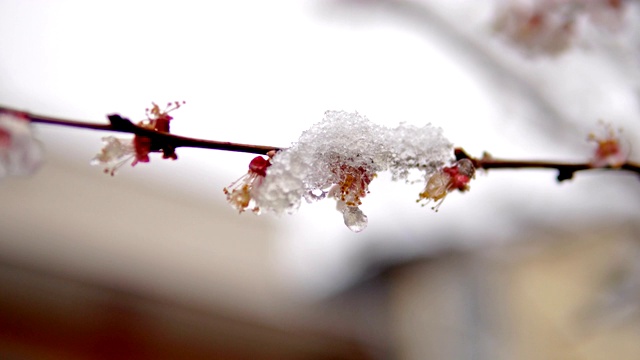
column 565, row 170
column 119, row 124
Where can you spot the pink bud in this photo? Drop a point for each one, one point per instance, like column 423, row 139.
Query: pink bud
column 259, row 165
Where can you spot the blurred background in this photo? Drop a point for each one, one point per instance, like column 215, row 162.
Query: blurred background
column 153, row 263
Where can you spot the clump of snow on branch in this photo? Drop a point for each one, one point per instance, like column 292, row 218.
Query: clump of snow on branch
column 20, row 153
column 340, row 156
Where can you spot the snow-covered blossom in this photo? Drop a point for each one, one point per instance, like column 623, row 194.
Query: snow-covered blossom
column 20, row 153
column 610, row 151
column 340, row 156
column 118, row 151
column 240, row 192
column 450, row 178
column 352, row 186
column 551, row 26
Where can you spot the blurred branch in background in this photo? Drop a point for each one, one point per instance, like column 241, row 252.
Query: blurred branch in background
column 505, row 77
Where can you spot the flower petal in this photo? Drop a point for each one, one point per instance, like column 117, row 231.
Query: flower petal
column 20, row 153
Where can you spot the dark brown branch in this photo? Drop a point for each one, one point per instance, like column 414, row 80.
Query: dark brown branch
column 565, row 170
column 119, row 124
column 123, row 125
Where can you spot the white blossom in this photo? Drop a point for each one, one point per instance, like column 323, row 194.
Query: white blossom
column 115, row 153
column 20, row 153
column 239, row 193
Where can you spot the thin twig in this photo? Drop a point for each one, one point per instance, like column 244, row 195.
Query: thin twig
column 119, row 124
column 124, row 125
column 565, row 170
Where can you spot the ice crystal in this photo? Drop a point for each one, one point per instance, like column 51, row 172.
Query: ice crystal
column 354, row 218
column 20, row 153
column 340, row 156
column 424, row 148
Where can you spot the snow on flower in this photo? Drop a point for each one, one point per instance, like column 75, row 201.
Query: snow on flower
column 340, row 156
column 352, row 185
column 20, row 153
